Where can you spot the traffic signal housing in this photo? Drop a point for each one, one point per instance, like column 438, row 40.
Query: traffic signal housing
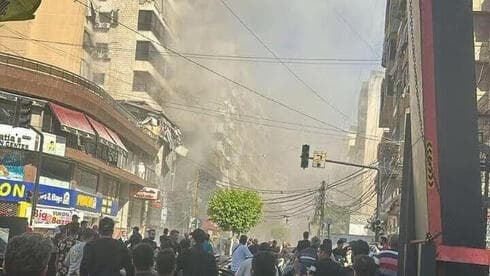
column 305, row 156
column 24, row 112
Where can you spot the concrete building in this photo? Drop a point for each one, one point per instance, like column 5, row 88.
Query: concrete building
column 365, row 151
column 117, row 46
column 396, row 96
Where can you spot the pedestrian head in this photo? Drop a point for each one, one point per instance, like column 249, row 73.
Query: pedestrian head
column 274, row 243
column 306, row 235
column 199, row 236
column 243, row 239
column 393, row 242
column 185, row 244
column 359, row 247
column 165, row 232
column 383, row 241
column 166, row 262
column 264, row 264
column 136, row 230
column 325, row 251
column 28, row 254
column 142, row 257
column 106, row 227
column 340, row 243
column 71, row 230
column 265, row 246
column 255, row 241
column 151, row 234
column 87, row 235
column 174, row 234
column 364, row 265
column 315, row 242
column 75, row 218
column 84, row 224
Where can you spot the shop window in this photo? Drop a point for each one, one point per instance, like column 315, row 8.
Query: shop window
column 87, row 181
column 7, row 110
column 56, row 172
column 109, row 188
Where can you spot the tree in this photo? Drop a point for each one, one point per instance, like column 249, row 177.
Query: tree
column 235, row 210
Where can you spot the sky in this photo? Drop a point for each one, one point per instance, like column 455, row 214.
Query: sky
column 335, row 29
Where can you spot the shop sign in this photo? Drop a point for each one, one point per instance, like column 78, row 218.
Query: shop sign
column 11, row 190
column 50, row 218
column 54, row 196
column 12, row 164
column 147, row 193
column 54, row 144
column 18, row 138
column 87, row 202
column 16, row 191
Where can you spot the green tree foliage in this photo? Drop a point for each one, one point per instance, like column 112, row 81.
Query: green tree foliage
column 235, row 210
column 279, row 232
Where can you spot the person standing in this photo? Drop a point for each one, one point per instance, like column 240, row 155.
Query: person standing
column 151, row 239
column 199, row 262
column 74, row 257
column 275, row 247
column 340, row 253
column 166, row 262
column 246, row 266
column 174, row 241
column 387, row 259
column 303, row 244
column 308, row 257
column 254, row 247
column 105, row 256
column 264, row 264
column 240, row 254
column 164, row 239
column 207, row 246
column 143, row 260
column 364, row 265
column 27, row 254
column 64, row 247
column 325, row 265
column 135, row 238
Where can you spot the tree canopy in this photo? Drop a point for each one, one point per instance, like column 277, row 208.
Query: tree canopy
column 235, row 210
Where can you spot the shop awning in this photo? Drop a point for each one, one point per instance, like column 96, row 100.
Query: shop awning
column 116, row 139
column 105, row 137
column 71, row 120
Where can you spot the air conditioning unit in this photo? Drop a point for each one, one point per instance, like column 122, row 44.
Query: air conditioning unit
column 103, row 25
column 102, row 55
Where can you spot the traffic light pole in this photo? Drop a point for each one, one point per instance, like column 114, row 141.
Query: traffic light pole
column 378, row 186
column 35, row 196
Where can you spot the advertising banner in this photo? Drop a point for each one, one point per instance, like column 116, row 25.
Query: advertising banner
column 18, row 138
column 11, row 164
column 16, row 191
column 54, row 144
column 87, row 202
column 50, row 218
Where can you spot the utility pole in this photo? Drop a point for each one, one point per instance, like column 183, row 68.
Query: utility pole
column 323, row 195
column 196, row 195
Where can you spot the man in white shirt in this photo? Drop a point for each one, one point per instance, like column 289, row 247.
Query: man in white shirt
column 246, row 266
column 240, row 254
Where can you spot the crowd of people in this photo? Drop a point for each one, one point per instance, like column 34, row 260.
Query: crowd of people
column 82, row 251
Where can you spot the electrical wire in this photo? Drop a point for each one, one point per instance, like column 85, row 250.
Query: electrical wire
column 294, row 74
column 221, row 75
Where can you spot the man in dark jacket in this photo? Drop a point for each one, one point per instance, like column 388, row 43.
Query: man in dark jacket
column 325, row 265
column 199, row 262
column 308, row 257
column 106, row 256
column 135, row 238
column 303, row 244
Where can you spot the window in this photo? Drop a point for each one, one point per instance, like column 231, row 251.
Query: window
column 148, row 21
column 87, row 181
column 109, row 187
column 142, row 50
column 53, row 168
column 99, row 78
column 102, row 50
column 105, row 17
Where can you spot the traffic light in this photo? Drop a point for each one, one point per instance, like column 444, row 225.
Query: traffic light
column 24, row 113
column 305, row 156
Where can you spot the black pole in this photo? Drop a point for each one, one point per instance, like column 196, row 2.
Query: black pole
column 378, row 186
column 322, row 208
column 328, row 230
column 35, row 196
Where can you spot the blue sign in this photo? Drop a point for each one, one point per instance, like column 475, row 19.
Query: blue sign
column 87, row 202
column 14, row 191
column 54, row 196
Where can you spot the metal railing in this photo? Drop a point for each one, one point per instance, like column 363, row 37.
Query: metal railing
column 44, row 68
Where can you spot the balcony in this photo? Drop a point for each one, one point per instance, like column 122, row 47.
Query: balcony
column 149, row 21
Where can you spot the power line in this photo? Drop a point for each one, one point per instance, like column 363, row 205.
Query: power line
column 294, row 74
column 245, row 58
column 213, row 71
